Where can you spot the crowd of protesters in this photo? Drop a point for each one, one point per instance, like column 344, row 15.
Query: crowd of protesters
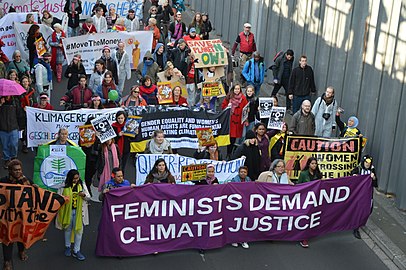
column 170, row 59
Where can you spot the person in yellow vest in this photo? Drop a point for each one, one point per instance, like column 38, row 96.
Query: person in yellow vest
column 62, row 138
column 277, row 143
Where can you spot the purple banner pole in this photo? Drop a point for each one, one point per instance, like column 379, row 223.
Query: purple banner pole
column 162, row 217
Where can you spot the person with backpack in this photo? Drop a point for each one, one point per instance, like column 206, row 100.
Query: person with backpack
column 254, row 72
column 281, row 69
column 324, row 110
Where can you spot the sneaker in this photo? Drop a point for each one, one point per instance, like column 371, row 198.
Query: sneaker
column 68, row 252
column 234, row 244
column 245, row 245
column 79, row 256
column 356, row 234
column 304, row 243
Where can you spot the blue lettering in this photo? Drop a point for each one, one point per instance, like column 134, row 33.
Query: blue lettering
column 141, row 169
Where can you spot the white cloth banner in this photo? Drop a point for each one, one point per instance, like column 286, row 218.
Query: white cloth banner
column 224, row 171
column 7, row 34
column 43, row 125
column 21, row 31
column 90, row 46
column 55, row 7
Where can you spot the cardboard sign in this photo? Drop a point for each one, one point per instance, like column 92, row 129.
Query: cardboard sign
column 87, row 135
column 277, row 117
column 208, row 53
column 265, row 106
column 205, row 136
column 103, row 128
column 131, row 127
column 26, row 213
column 164, row 92
column 194, row 172
column 245, row 112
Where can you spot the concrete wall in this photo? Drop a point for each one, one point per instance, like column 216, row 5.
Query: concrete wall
column 359, row 47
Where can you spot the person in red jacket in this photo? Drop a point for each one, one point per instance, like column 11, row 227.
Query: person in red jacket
column 177, row 98
column 43, row 102
column 79, row 96
column 192, row 35
column 247, row 43
column 236, row 101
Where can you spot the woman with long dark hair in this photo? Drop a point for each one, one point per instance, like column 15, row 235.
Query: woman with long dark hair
column 74, row 215
column 74, row 70
column 310, row 172
column 34, row 35
column 160, row 173
column 104, row 89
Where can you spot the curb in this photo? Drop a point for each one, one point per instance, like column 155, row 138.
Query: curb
column 385, row 244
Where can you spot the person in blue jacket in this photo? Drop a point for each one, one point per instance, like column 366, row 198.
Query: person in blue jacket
column 254, row 71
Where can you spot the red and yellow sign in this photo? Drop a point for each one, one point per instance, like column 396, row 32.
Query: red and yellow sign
column 194, row 172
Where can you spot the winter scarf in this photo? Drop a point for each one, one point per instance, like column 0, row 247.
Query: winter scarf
column 235, row 101
column 106, row 87
column 48, row 21
column 147, row 65
column 158, row 177
column 107, row 166
column 328, row 100
column 119, row 140
column 65, row 213
column 158, row 148
column 147, row 90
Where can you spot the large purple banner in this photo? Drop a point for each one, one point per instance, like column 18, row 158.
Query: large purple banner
column 162, row 217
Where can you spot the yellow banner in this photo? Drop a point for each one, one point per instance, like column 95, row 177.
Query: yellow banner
column 194, row 172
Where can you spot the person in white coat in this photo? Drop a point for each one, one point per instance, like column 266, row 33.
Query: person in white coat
column 43, row 75
column 74, row 214
column 324, row 110
column 123, row 66
column 100, row 21
column 132, row 22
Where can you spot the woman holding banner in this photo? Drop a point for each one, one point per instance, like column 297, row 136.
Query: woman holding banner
column 160, row 173
column 310, row 172
column 276, row 174
column 34, row 36
column 249, row 148
column 236, row 101
column 74, row 214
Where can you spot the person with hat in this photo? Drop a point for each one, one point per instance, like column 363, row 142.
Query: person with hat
column 365, row 167
column 207, row 26
column 250, row 150
column 58, row 55
column 110, row 62
column 132, row 22
column 350, row 129
column 43, row 102
column 246, row 40
column 100, row 21
column 78, row 97
column 74, row 70
column 281, row 69
column 177, row 29
column 147, row 67
column 192, row 35
column 96, row 102
column 43, row 75
column 73, row 8
column 88, row 27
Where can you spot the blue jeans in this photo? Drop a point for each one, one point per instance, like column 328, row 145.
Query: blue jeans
column 78, row 235
column 9, row 141
column 297, row 102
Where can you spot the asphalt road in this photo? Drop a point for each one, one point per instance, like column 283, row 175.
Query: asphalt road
column 333, row 251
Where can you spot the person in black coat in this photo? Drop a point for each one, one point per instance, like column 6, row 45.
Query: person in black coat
column 179, row 56
column 74, row 70
column 250, row 150
column 207, row 26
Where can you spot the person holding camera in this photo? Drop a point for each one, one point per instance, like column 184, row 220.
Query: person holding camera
column 324, row 110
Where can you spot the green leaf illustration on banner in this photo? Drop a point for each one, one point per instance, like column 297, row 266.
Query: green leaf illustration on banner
column 50, row 170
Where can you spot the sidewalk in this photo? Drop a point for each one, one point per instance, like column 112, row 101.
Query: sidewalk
column 386, row 227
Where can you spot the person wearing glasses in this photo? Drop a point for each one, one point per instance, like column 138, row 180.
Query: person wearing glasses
column 134, row 98
column 19, row 64
column 276, row 174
